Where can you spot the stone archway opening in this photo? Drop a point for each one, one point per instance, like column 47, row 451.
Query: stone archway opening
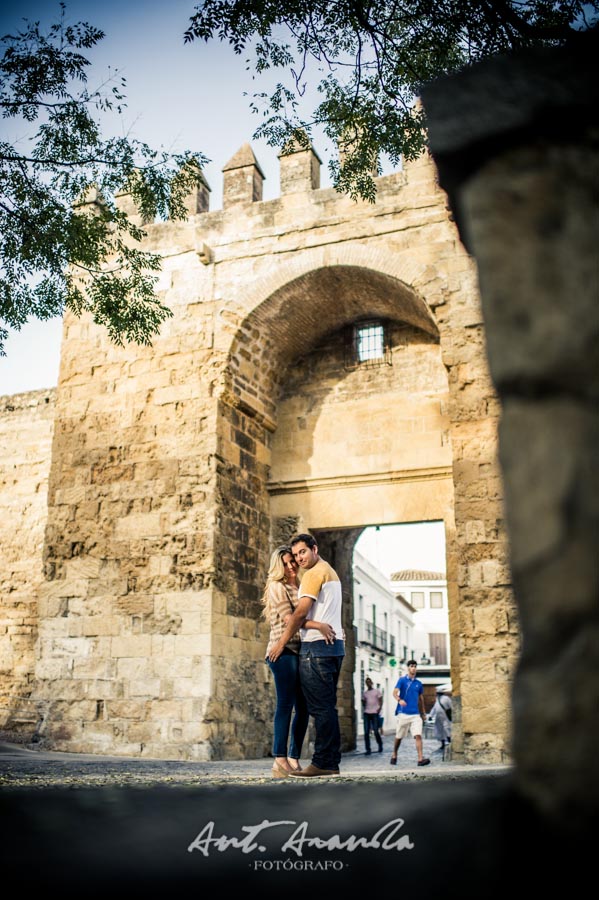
column 382, row 628
column 400, row 612
column 310, row 439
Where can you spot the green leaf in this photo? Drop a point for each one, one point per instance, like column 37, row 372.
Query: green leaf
column 56, row 251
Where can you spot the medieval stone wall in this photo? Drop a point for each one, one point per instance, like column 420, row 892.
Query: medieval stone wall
column 26, row 425
column 171, row 479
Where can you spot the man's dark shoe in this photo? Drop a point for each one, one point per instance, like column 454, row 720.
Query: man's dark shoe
column 313, row 772
column 368, row 753
column 380, row 749
column 423, row 762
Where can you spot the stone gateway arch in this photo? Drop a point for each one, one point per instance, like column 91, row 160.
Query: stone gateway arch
column 174, row 469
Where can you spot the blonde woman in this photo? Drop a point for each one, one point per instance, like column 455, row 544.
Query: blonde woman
column 280, row 600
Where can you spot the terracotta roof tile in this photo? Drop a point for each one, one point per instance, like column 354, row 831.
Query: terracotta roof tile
column 417, row 575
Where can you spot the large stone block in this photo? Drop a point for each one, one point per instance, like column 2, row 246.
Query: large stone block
column 131, row 646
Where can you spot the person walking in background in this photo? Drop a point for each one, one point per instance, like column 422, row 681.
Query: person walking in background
column 321, row 655
column 442, row 713
column 372, row 701
column 410, row 712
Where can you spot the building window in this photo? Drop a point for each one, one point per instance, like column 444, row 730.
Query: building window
column 438, row 648
column 417, row 599
column 368, row 346
column 370, row 341
column 436, row 599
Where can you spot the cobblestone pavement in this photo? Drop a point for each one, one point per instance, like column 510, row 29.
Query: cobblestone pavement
column 21, row 766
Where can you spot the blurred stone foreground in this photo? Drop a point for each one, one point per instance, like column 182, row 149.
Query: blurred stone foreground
column 435, row 834
column 515, row 143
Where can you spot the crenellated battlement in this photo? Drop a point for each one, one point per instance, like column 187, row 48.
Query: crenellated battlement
column 243, row 181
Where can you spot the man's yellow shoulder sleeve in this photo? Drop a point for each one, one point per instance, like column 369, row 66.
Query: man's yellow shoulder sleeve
column 311, row 584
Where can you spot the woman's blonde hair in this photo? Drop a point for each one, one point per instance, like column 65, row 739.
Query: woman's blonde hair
column 276, row 572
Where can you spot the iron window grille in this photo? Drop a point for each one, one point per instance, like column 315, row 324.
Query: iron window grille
column 368, row 346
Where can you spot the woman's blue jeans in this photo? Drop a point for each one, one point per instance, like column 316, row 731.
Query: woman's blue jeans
column 289, row 697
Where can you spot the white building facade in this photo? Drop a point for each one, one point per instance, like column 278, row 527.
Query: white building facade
column 384, row 626
column 426, row 593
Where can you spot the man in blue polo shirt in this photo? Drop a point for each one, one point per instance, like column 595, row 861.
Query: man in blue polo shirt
column 410, row 712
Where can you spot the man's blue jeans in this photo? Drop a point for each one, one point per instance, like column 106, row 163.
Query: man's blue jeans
column 319, row 676
column 289, row 697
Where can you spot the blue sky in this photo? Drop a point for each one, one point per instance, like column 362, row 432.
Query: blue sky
column 179, row 96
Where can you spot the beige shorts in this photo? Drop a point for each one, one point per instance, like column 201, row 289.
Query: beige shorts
column 408, row 724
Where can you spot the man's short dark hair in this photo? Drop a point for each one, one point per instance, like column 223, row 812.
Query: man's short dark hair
column 412, row 662
column 308, row 540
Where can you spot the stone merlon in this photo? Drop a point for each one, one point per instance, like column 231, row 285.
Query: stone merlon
column 243, row 178
column 299, row 168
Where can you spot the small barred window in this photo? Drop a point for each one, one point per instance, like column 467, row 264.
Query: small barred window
column 369, row 345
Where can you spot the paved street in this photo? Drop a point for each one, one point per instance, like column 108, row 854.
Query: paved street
column 23, row 767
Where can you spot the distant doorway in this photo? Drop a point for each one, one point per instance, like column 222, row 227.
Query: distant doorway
column 400, row 612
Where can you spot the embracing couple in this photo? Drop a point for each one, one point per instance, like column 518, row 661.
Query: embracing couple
column 305, row 652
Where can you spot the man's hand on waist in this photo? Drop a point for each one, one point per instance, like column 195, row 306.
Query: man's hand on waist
column 328, row 632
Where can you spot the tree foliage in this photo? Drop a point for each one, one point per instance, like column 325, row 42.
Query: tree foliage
column 371, row 59
column 57, row 251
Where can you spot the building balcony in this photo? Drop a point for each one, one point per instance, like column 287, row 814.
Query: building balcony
column 375, row 637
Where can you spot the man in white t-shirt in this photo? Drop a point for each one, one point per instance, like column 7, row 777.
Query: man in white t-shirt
column 321, row 655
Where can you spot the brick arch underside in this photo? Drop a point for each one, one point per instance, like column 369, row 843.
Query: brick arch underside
column 297, row 315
